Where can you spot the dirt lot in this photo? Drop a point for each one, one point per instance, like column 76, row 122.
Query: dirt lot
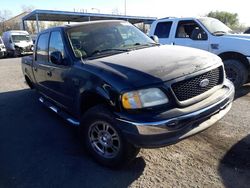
column 38, row 149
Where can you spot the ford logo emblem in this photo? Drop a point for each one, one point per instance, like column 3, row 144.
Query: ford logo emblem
column 204, row 83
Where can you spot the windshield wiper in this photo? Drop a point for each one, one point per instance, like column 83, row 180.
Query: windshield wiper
column 146, row 44
column 99, row 52
column 104, row 51
column 219, row 33
column 140, row 45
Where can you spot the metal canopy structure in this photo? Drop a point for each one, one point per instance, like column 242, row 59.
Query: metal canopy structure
column 66, row 16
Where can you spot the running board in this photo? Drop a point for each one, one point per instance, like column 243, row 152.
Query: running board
column 61, row 113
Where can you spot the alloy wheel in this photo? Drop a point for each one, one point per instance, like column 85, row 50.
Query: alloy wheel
column 104, row 139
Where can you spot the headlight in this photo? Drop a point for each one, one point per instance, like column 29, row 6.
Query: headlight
column 143, row 98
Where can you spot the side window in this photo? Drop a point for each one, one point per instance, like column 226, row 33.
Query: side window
column 42, row 48
column 190, row 29
column 162, row 29
column 56, row 44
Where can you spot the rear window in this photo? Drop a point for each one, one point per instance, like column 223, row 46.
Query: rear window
column 162, row 29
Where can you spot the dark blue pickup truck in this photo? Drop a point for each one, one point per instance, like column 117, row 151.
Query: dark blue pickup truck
column 123, row 90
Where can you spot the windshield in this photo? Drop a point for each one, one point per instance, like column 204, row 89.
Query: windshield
column 215, row 26
column 106, row 38
column 18, row 38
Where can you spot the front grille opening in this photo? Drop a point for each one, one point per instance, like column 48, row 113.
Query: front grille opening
column 190, row 88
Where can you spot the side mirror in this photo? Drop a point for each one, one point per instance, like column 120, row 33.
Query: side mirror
column 10, row 41
column 56, row 58
column 155, row 38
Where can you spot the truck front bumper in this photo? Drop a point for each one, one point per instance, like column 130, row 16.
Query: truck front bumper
column 26, row 53
column 171, row 130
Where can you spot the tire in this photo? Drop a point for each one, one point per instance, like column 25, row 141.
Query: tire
column 104, row 140
column 17, row 53
column 236, row 72
column 10, row 53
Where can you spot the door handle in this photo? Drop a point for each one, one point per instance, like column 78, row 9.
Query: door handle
column 76, row 81
column 35, row 69
column 49, row 73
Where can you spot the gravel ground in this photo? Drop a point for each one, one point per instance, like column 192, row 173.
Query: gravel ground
column 38, row 149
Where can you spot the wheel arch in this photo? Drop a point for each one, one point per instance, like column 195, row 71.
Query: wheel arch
column 89, row 99
column 235, row 55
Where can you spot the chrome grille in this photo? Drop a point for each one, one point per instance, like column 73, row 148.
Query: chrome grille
column 191, row 87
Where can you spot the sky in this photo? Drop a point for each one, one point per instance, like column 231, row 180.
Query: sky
column 154, row 8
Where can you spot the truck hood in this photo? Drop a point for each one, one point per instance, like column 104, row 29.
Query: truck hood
column 151, row 65
column 235, row 42
column 23, row 44
column 237, row 36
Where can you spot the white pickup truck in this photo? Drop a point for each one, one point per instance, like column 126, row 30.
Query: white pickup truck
column 211, row 35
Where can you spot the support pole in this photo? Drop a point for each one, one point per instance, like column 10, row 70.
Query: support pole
column 37, row 24
column 23, row 25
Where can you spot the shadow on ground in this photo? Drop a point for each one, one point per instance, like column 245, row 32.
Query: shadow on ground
column 234, row 168
column 244, row 90
column 38, row 149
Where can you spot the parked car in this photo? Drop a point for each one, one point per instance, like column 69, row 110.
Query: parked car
column 211, row 35
column 123, row 90
column 3, row 52
column 18, row 43
column 247, row 31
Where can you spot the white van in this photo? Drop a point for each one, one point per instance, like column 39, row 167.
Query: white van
column 17, row 43
column 3, row 52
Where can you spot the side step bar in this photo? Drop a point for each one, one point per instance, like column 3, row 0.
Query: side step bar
column 61, row 113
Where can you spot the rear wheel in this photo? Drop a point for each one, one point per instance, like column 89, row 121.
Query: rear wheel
column 104, row 140
column 236, row 72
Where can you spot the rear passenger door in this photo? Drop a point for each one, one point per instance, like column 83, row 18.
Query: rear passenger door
column 163, row 31
column 40, row 61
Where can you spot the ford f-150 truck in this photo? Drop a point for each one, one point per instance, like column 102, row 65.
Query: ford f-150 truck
column 211, row 35
column 123, row 90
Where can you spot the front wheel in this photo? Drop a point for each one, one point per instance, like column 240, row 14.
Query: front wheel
column 104, row 140
column 236, row 72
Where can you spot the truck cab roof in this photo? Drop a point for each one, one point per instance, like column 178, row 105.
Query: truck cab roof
column 80, row 24
column 16, row 31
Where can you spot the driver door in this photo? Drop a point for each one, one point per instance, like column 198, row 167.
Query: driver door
column 189, row 33
column 59, row 81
